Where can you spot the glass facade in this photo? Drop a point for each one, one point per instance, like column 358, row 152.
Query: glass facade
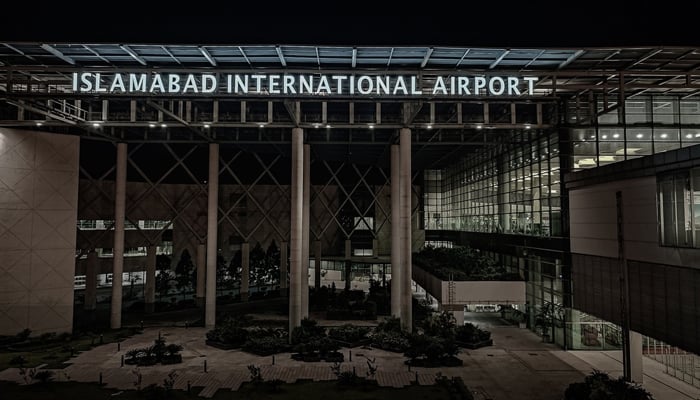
column 679, row 208
column 648, row 125
column 514, row 188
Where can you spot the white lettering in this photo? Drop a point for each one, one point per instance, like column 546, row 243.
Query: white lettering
column 452, row 85
column 479, row 83
column 323, row 84
column 415, row 91
column 173, row 83
column 339, row 82
column 531, row 84
column 75, row 82
column 382, row 84
column 305, row 83
column 241, row 85
column 274, row 84
column 258, row 82
column 137, row 84
column 190, row 83
column 212, row 83
column 98, row 81
column 370, row 84
column 87, row 83
column 501, row 85
column 463, row 85
column 289, row 84
column 513, row 86
column 439, row 86
column 157, row 83
column 400, row 85
column 117, row 83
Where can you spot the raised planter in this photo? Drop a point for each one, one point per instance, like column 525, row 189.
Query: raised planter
column 475, row 345
column 222, row 345
column 358, row 343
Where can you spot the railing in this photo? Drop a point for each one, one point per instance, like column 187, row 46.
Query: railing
column 678, row 363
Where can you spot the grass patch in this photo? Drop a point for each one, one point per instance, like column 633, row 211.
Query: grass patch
column 304, row 390
column 55, row 354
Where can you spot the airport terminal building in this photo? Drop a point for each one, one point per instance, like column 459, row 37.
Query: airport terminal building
column 572, row 167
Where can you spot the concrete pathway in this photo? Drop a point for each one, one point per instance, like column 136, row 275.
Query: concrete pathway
column 518, row 366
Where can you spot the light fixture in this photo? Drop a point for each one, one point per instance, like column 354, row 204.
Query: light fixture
column 261, row 126
column 206, row 126
column 39, row 124
column 689, row 136
column 527, row 126
column 639, row 136
column 316, row 126
column 371, row 126
column 151, row 125
column 664, row 135
column 605, row 136
column 163, row 125
column 328, row 126
column 479, row 126
column 697, row 135
column 429, row 127
column 96, row 124
column 617, row 135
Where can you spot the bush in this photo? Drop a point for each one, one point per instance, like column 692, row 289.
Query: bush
column 307, row 332
column 470, row 333
column 348, row 333
column 266, row 345
column 461, row 264
column 43, row 376
column 391, row 324
column 18, row 360
column 391, row 341
column 599, row 385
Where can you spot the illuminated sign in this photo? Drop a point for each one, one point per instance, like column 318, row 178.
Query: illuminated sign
column 290, row 85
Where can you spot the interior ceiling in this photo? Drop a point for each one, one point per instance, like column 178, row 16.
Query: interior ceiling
column 561, row 72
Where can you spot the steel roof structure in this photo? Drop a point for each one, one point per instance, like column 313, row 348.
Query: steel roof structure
column 35, row 88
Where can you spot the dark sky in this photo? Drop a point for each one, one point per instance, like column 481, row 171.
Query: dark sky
column 489, row 23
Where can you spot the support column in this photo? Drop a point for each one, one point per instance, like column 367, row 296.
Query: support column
column 395, row 233
column 297, row 198
column 212, row 232
column 348, row 263
column 459, row 316
column 245, row 271
column 406, row 227
column 636, row 357
column 305, row 233
column 317, row 264
column 119, row 215
column 150, row 284
column 284, row 255
column 201, row 273
column 91, row 281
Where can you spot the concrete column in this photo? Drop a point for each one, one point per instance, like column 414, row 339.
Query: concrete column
column 150, row 284
column 297, row 212
column 406, row 227
column 201, row 273
column 636, row 358
column 348, row 263
column 395, row 233
column 459, row 316
column 212, row 232
column 317, row 264
column 245, row 271
column 283, row 268
column 91, row 281
column 119, row 216
column 305, row 233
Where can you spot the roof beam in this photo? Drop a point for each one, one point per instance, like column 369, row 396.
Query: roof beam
column 178, row 119
column 463, row 57
column 427, row 57
column 391, row 54
column 572, row 58
column 58, row 54
column 354, row 57
column 132, row 53
column 281, row 56
column 644, row 58
column 168, row 52
column 244, row 55
column 206, row 55
column 533, row 59
column 96, row 54
column 318, row 58
column 11, row 47
column 499, row 59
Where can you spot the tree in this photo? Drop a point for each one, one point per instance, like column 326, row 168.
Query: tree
column 235, row 267
column 257, row 268
column 221, row 272
column 185, row 272
column 164, row 277
column 272, row 260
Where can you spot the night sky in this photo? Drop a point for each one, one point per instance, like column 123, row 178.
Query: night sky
column 527, row 24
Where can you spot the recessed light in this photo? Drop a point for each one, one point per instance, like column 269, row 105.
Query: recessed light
column 261, row 126
column 371, row 127
column 96, row 124
column 163, row 125
column 39, row 124
column 429, row 127
column 527, row 126
column 328, row 126
column 206, row 126
column 479, row 126
column 639, row 136
column 664, row 135
column 316, row 126
column 689, row 136
column 617, row 135
column 151, row 125
column 605, row 136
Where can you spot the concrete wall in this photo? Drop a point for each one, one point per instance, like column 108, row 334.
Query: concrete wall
column 471, row 292
column 664, row 282
column 38, row 212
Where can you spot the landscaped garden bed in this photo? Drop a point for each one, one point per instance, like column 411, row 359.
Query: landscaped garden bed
column 472, row 337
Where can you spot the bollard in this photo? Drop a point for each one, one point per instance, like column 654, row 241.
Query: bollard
column 416, row 377
column 100, row 378
column 350, row 352
column 273, row 359
column 189, row 387
column 72, row 351
column 119, row 346
column 92, row 341
column 205, row 365
column 353, row 371
column 158, row 335
column 141, row 325
column 409, row 366
column 102, row 341
column 122, row 360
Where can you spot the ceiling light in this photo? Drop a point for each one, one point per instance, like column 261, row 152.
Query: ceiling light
column 617, row 135
column 605, row 136
column 689, row 136
column 328, row 126
column 479, row 126
column 639, row 136
column 664, row 135
column 163, row 125
column 96, row 124
column 316, row 126
column 151, row 125
column 39, row 124
column 371, row 126
column 206, row 126
column 429, row 127
column 527, row 126
column 261, row 126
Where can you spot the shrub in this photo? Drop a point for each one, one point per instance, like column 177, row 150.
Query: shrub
column 308, row 331
column 599, row 385
column 470, row 333
column 391, row 341
column 18, row 360
column 391, row 324
column 43, row 376
column 266, row 345
column 348, row 333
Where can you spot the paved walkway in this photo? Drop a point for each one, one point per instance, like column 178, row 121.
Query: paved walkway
column 518, row 366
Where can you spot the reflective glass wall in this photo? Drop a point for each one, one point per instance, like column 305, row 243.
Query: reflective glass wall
column 510, row 188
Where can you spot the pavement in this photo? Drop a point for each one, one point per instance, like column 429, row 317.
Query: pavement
column 518, row 366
